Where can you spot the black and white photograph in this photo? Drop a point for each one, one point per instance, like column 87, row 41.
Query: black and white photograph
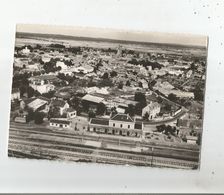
column 105, row 96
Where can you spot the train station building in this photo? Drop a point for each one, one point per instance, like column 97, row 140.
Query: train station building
column 120, row 124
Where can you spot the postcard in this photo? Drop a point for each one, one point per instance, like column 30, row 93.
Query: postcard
column 108, row 96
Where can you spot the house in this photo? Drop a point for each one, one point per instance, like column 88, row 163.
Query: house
column 182, row 94
column 163, row 85
column 36, row 104
column 144, row 71
column 153, row 109
column 119, row 124
column 189, row 73
column 122, row 121
column 123, row 102
column 20, row 119
column 62, row 65
column 60, row 123
column 175, row 72
column 21, row 62
column 191, row 139
column 91, row 102
column 33, row 67
column 46, row 59
column 84, row 69
column 43, row 79
column 15, row 95
column 144, row 84
column 67, row 72
column 42, row 84
column 120, row 109
column 61, row 105
column 25, row 51
column 43, row 88
column 103, row 90
column 71, row 113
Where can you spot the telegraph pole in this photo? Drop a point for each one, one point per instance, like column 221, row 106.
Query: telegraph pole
column 152, row 157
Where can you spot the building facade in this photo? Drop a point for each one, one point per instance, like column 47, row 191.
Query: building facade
column 15, row 94
column 120, row 124
column 153, row 109
column 60, row 123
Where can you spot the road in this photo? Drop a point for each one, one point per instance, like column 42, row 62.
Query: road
column 180, row 114
column 33, row 142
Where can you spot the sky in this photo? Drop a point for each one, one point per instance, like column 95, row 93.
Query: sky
column 155, row 37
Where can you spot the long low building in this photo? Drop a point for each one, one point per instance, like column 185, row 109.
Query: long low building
column 60, row 123
column 120, row 124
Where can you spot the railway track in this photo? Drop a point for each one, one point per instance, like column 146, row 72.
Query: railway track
column 21, row 144
column 108, row 140
column 77, row 140
column 107, row 157
column 41, row 143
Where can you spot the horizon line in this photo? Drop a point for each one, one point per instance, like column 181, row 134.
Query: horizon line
column 115, row 34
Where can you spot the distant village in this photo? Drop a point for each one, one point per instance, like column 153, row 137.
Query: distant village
column 114, row 91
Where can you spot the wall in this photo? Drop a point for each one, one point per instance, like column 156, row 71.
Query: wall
column 124, row 124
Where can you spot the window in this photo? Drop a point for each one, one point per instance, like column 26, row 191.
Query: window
column 128, row 126
column 113, row 124
column 121, row 125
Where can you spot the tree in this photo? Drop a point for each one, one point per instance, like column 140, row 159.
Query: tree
column 30, row 92
column 113, row 111
column 161, row 128
column 140, row 84
column 49, row 95
column 22, row 90
column 75, row 102
column 91, row 83
column 167, row 107
column 172, row 97
column 61, row 76
column 30, row 115
column 54, row 112
column 128, row 83
column 101, row 108
column 138, row 108
column 199, row 139
column 170, row 130
column 130, row 110
column 105, row 75
column 91, row 114
column 57, row 45
column 38, row 46
column 38, row 117
column 167, row 129
column 68, row 62
column 160, row 100
column 140, row 97
column 198, row 94
column 120, row 85
column 193, row 66
column 146, row 116
column 51, row 66
column 105, row 83
column 113, row 74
